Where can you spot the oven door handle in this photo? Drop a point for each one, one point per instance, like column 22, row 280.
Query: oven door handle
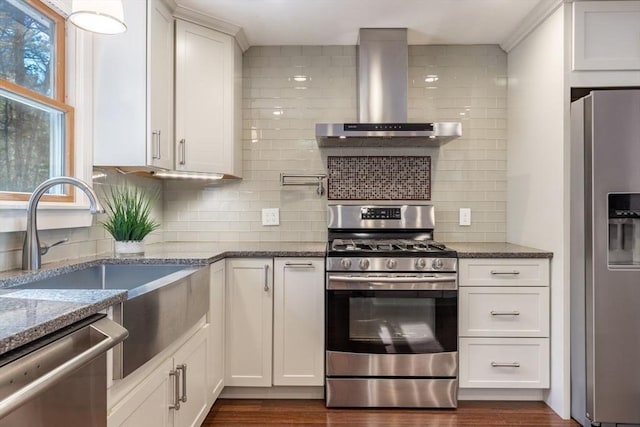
column 392, row 283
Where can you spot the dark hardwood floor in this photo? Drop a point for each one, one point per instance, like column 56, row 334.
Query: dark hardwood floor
column 242, row 412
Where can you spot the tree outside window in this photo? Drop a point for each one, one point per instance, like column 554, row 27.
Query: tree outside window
column 35, row 123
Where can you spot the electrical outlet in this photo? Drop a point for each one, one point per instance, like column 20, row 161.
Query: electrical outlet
column 271, row 216
column 465, row 216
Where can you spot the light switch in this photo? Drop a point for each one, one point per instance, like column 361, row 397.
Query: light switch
column 271, row 216
column 465, row 216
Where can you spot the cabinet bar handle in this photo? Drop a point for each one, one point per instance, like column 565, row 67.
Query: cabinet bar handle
column 299, row 264
column 504, row 273
column 505, row 313
column 183, row 368
column 183, row 151
column 176, row 389
column 155, row 138
column 266, row 277
column 505, row 365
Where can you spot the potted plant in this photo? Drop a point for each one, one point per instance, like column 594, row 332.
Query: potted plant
column 128, row 218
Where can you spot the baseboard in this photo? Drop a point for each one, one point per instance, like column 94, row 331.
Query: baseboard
column 293, row 392
column 499, row 394
column 279, row 392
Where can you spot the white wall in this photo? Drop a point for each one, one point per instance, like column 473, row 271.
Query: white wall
column 537, row 113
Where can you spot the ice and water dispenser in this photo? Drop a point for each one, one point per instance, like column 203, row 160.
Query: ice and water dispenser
column 624, row 229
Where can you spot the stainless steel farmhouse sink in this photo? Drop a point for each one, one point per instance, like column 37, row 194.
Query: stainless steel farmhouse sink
column 134, row 278
column 163, row 302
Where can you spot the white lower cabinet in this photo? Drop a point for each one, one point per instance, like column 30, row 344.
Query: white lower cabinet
column 179, row 379
column 191, row 360
column 298, row 322
column 249, row 316
column 504, row 323
column 504, row 311
column 504, row 362
column 215, row 372
column 148, row 405
column 274, row 322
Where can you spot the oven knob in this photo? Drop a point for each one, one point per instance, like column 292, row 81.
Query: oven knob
column 346, row 263
column 421, row 263
column 364, row 264
column 437, row 264
column 392, row 263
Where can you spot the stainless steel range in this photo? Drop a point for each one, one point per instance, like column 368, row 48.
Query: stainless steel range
column 392, row 309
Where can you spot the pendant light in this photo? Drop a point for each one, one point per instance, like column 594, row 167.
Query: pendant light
column 98, row 16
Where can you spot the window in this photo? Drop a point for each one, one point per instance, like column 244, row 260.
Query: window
column 36, row 126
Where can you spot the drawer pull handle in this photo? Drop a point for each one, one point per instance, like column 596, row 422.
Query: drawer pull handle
column 505, row 313
column 299, row 264
column 505, row 365
column 504, row 273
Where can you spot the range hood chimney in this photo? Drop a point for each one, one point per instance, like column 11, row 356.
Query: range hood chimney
column 382, row 64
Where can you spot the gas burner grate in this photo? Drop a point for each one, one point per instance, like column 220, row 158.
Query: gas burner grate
column 386, row 245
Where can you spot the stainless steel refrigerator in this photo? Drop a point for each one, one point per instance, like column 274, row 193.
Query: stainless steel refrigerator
column 605, row 258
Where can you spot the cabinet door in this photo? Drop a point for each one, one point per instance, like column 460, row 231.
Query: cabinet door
column 504, row 272
column 248, row 323
column 606, row 35
column 517, row 311
column 504, row 362
column 204, row 99
column 191, row 362
column 160, row 72
column 148, row 405
column 298, row 321
column 215, row 370
column 120, row 92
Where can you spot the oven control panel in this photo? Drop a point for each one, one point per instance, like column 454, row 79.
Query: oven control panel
column 391, row 264
column 380, row 213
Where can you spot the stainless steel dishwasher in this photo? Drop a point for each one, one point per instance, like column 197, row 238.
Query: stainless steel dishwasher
column 59, row 380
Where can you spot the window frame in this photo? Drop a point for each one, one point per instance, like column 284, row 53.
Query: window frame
column 56, row 102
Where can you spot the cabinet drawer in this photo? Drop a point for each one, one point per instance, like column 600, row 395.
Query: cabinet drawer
column 504, row 272
column 504, row 311
column 504, row 362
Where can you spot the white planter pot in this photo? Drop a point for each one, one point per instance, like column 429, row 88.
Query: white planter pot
column 129, row 248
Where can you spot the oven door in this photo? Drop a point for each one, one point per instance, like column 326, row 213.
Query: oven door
column 392, row 314
column 392, row 325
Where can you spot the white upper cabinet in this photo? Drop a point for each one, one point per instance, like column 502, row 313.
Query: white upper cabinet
column 208, row 97
column 606, row 35
column 160, row 75
column 133, row 89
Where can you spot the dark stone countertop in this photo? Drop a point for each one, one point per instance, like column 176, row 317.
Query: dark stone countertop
column 29, row 314
column 497, row 250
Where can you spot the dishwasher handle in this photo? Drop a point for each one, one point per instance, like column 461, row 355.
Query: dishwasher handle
column 114, row 334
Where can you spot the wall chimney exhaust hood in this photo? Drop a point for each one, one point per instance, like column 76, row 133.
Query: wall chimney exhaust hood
column 382, row 63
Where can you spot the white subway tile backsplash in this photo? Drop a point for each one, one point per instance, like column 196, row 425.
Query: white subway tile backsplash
column 467, row 172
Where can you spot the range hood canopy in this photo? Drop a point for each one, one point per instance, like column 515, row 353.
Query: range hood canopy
column 382, row 64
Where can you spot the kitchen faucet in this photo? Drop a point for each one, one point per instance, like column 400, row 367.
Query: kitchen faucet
column 31, row 250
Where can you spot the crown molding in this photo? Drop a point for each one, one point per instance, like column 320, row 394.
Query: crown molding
column 538, row 14
column 214, row 23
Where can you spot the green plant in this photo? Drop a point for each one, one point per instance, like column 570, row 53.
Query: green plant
column 129, row 213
